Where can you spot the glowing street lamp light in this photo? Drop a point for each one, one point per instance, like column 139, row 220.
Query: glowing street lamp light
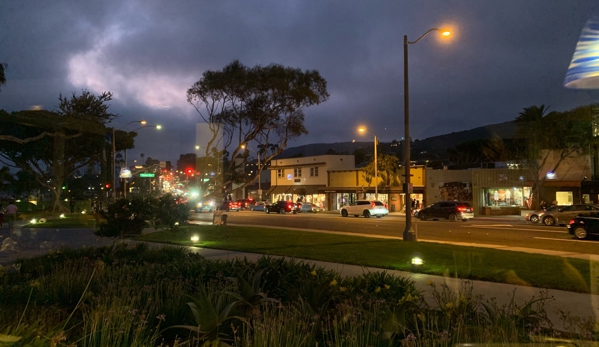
column 143, row 122
column 376, row 164
column 243, row 146
column 407, row 184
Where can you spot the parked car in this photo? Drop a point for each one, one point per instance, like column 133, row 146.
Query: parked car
column 246, row 204
column 561, row 215
column 533, row 217
column 452, row 210
column 230, row 205
column 258, row 206
column 309, row 207
column 205, row 206
column 281, row 207
column 365, row 208
column 583, row 226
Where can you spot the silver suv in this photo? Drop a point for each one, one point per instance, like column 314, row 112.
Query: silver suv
column 559, row 215
column 365, row 208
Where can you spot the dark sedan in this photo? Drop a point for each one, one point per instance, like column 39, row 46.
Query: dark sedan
column 583, row 226
column 281, row 207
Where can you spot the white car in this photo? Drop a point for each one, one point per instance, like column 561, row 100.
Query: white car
column 365, row 208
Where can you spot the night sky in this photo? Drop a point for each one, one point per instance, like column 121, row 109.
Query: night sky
column 503, row 56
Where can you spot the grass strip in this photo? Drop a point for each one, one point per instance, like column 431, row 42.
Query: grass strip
column 70, row 221
column 476, row 263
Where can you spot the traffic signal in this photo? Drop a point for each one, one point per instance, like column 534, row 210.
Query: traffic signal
column 189, row 171
column 107, row 185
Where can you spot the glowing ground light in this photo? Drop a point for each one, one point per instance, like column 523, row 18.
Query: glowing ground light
column 583, row 72
column 195, row 238
column 33, row 221
column 416, row 262
column 62, row 216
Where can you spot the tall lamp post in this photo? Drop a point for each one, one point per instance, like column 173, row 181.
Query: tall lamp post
column 143, row 122
column 376, row 162
column 158, row 127
column 259, row 173
column 407, row 184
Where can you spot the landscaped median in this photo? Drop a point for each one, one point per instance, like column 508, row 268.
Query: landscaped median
column 501, row 266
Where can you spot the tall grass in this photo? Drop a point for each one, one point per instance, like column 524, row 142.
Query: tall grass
column 135, row 296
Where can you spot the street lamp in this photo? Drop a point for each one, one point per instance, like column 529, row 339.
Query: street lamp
column 143, row 122
column 376, row 163
column 158, row 127
column 407, row 184
column 259, row 183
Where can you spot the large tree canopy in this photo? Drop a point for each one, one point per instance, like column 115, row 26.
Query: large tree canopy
column 263, row 105
column 564, row 134
column 50, row 145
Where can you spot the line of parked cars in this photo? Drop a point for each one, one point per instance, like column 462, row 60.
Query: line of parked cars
column 288, row 207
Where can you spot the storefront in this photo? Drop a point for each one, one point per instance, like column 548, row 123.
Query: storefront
column 299, row 193
column 501, row 191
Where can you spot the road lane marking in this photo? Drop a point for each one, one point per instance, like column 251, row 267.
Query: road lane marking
column 552, row 239
column 511, row 227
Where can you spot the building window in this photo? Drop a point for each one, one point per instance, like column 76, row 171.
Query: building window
column 314, row 172
column 297, row 172
column 280, row 173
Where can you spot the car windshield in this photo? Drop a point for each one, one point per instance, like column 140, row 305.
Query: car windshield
column 312, row 133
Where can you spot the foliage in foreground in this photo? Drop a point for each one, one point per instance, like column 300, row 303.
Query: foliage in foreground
column 127, row 217
column 137, row 296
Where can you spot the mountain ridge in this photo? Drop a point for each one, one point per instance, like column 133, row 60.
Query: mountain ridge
column 434, row 144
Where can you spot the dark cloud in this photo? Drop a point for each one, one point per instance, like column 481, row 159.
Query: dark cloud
column 505, row 55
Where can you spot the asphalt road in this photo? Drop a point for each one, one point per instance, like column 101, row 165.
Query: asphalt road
column 508, row 233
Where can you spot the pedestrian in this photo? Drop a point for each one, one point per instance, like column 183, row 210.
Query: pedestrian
column 413, row 204
column 11, row 214
column 72, row 205
column 417, row 204
column 2, row 211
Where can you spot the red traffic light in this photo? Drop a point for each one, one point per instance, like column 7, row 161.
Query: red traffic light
column 189, row 171
column 107, row 185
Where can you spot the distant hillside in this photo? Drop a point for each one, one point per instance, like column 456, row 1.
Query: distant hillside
column 443, row 142
column 435, row 144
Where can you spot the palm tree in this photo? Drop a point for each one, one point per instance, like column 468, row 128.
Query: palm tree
column 3, row 67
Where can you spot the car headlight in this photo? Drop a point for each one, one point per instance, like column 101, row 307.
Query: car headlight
column 199, row 204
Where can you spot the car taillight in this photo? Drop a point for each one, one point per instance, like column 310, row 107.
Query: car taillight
column 372, row 205
column 571, row 221
column 462, row 208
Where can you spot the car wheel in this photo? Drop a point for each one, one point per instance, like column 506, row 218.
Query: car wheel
column 366, row 214
column 422, row 216
column 549, row 221
column 266, row 210
column 452, row 217
column 378, row 216
column 580, row 233
column 282, row 211
column 534, row 218
column 344, row 213
column 465, row 220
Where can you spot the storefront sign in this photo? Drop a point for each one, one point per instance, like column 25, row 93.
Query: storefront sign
column 330, row 191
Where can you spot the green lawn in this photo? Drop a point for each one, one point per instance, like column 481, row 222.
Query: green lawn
column 76, row 220
column 439, row 259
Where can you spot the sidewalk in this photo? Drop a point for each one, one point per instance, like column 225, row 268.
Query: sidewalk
column 25, row 242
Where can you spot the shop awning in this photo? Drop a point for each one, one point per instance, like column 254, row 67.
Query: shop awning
column 307, row 189
column 278, row 189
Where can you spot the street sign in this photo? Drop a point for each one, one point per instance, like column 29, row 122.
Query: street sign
column 146, row 174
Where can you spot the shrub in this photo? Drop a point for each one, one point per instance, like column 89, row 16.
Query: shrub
column 125, row 217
